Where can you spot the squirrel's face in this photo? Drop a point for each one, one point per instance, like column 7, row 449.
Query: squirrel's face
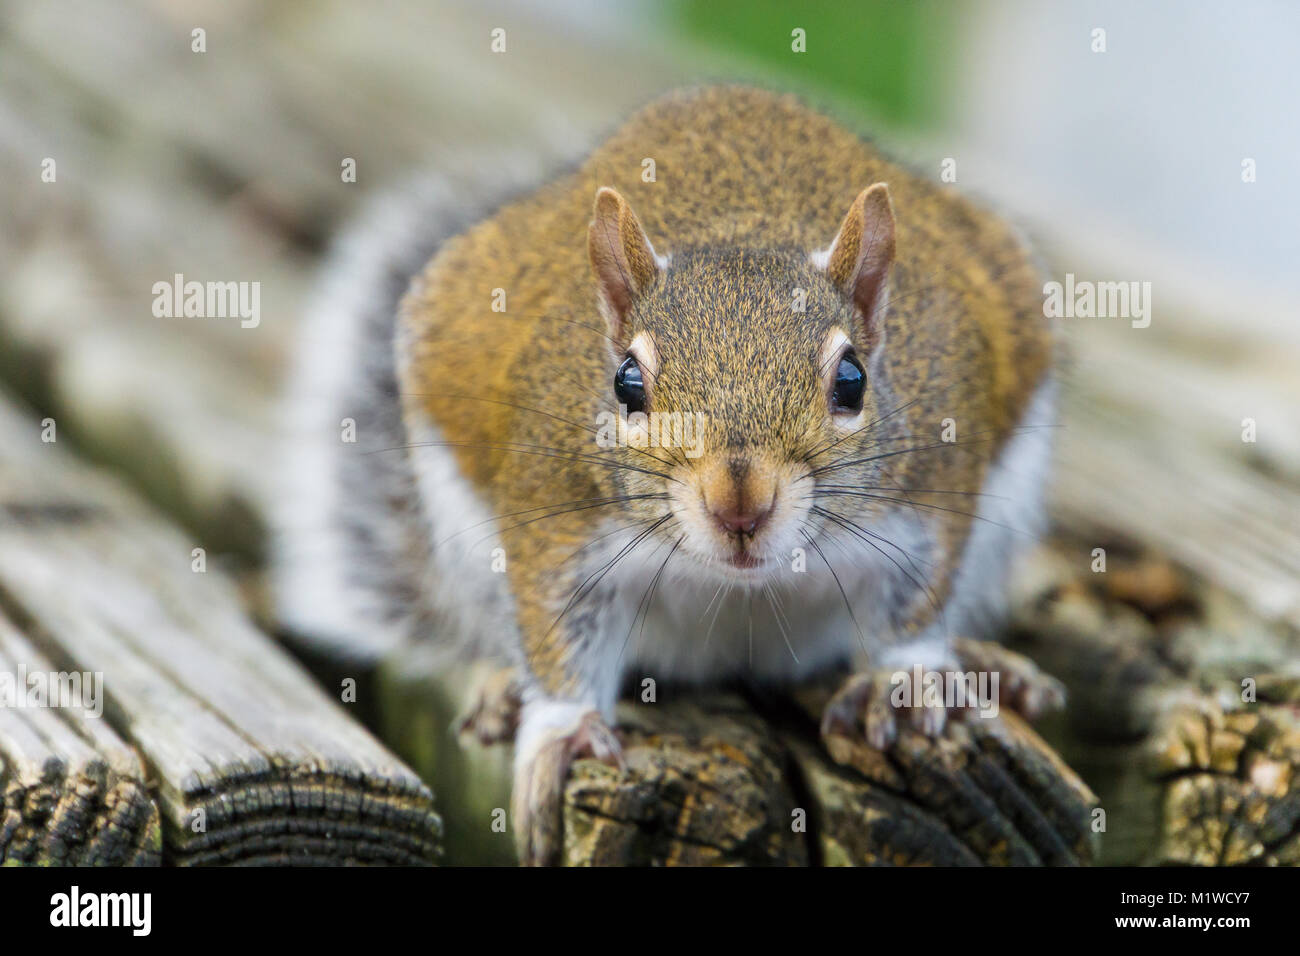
column 738, row 370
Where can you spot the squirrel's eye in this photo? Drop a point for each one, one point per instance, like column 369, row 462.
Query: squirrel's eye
column 628, row 385
column 850, row 381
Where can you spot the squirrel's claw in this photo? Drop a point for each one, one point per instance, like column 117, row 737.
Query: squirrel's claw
column 1022, row 685
column 862, row 707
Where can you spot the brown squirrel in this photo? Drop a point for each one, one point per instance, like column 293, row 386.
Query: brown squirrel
column 858, row 357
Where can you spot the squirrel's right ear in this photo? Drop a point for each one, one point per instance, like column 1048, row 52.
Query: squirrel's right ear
column 624, row 262
column 858, row 260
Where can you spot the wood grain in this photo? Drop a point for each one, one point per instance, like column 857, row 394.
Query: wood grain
column 249, row 759
column 72, row 792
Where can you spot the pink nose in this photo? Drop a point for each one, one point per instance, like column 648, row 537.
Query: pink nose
column 735, row 521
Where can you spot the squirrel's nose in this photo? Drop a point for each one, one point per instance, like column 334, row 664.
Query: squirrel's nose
column 736, row 521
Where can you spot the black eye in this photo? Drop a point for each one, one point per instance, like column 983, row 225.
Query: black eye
column 850, row 381
column 628, row 385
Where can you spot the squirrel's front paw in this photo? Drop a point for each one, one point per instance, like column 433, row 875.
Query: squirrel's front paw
column 1022, row 686
column 863, row 707
column 541, row 768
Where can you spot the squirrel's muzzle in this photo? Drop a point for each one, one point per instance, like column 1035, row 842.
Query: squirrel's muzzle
column 739, row 493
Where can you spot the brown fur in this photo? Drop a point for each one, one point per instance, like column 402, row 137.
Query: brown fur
column 748, row 184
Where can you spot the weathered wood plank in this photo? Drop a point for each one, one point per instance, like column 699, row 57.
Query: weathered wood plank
column 713, row 781
column 716, row 779
column 71, row 791
column 251, row 759
column 1188, row 767
column 1228, row 778
column 705, row 785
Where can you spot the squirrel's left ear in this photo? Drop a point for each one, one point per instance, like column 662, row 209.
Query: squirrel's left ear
column 858, row 260
column 622, row 259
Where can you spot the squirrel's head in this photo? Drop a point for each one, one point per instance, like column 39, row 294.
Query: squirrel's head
column 749, row 368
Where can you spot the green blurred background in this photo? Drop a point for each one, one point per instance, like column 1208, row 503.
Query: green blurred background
column 889, row 55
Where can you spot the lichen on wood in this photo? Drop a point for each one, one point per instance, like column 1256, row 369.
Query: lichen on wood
column 1230, row 776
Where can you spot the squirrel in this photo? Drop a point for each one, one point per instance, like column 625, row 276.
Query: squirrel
column 859, row 359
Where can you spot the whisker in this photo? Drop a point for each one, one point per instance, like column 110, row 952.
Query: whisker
column 731, row 585
column 908, row 556
column 528, row 408
column 857, row 431
column 599, row 503
column 540, row 451
column 596, row 540
column 589, row 585
column 777, row 615
column 915, row 513
column 922, row 504
column 915, row 491
column 892, row 454
column 749, row 611
column 709, row 606
column 648, row 599
column 991, row 436
column 525, row 511
column 848, row 605
column 866, row 536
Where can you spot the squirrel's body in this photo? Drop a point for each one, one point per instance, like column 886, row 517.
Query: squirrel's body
column 809, row 532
